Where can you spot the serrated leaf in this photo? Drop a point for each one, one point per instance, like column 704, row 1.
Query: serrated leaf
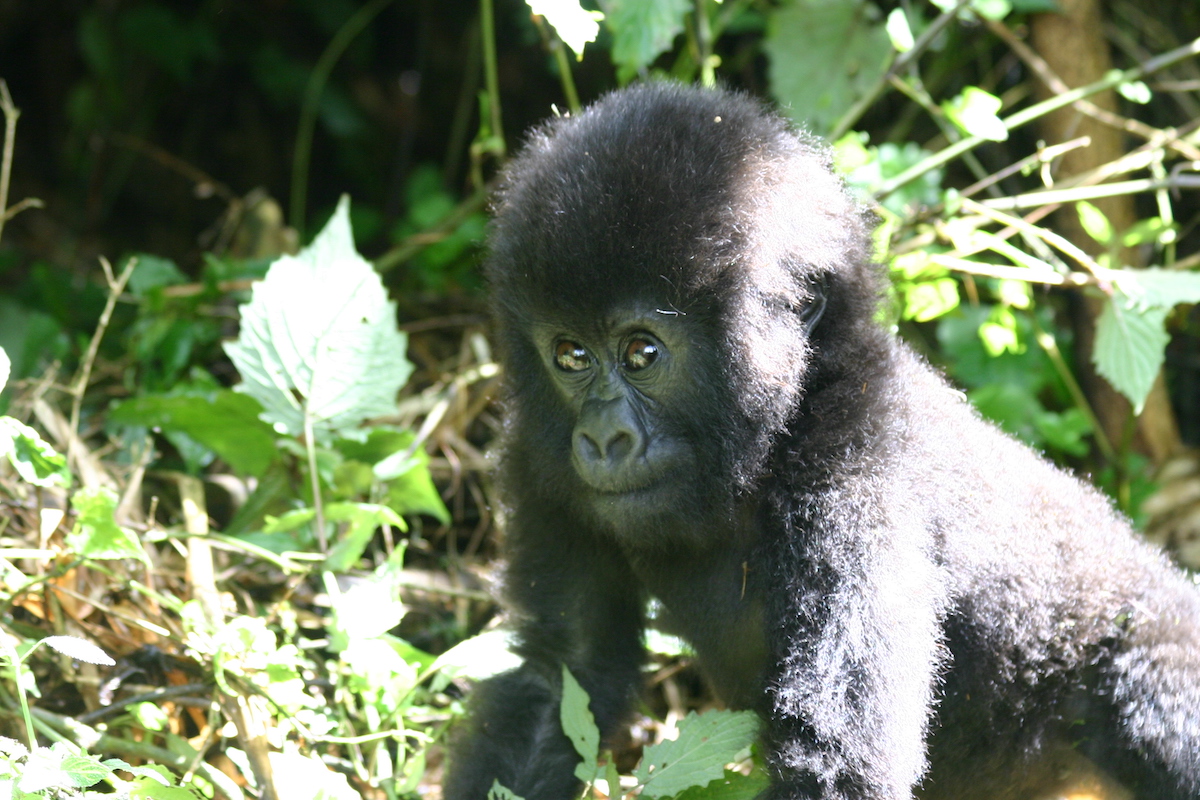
column 224, row 421
column 823, row 55
column 1129, row 346
column 319, row 339
column 78, row 649
column 96, row 533
column 730, row 786
column 580, row 726
column 84, row 771
column 1164, row 288
column 697, row 756
column 642, row 30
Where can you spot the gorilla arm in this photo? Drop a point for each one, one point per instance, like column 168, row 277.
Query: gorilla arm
column 855, row 663
column 575, row 603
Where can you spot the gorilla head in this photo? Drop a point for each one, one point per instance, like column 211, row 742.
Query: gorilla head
column 655, row 260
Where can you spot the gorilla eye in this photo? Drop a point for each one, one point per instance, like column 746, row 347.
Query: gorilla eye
column 639, row 354
column 571, row 357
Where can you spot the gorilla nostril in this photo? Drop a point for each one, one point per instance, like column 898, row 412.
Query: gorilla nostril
column 618, row 448
column 587, row 449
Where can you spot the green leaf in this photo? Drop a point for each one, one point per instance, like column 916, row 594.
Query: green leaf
column 96, row 533
column 730, row 786
column 823, row 55
column 1129, row 346
column 899, row 31
column 697, row 756
column 1135, row 92
column 1094, row 223
column 499, row 792
column 580, row 726
column 930, row 300
column 34, row 460
column 574, row 25
column 642, row 31
column 363, row 519
column 976, row 112
column 224, row 421
column 480, row 657
column 5, row 368
column 84, row 770
column 78, row 649
column 319, row 342
column 1164, row 288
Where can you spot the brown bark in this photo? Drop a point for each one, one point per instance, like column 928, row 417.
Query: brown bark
column 1073, row 45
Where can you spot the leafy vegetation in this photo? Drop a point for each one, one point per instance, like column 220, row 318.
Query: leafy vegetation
column 245, row 512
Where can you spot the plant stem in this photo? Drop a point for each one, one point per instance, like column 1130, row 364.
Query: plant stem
column 1018, row 119
column 312, row 97
column 491, row 73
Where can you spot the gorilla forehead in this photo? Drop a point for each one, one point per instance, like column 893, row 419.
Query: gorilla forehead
column 663, row 189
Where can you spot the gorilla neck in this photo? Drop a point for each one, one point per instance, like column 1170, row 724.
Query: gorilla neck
column 713, row 598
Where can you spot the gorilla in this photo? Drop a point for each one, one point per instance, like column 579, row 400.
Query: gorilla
column 703, row 407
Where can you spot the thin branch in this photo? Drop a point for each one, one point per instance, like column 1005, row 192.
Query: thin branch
column 115, row 287
column 1037, row 110
column 312, row 98
column 11, row 115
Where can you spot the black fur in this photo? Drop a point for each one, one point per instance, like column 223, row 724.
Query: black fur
column 913, row 601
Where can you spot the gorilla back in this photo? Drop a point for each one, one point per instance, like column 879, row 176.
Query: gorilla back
column 702, row 408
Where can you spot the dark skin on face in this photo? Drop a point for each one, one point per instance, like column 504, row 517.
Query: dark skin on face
column 616, row 379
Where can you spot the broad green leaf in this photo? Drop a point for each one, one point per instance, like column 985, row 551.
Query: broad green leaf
column 730, row 786
column 823, row 55
column 224, row 421
column 580, row 726
column 96, row 533
column 697, row 756
column 154, row 272
column 319, row 341
column 976, row 112
column 33, row 459
column 5, row 367
column 574, row 25
column 1094, row 223
column 148, row 789
column 1129, row 346
column 298, row 776
column 642, row 31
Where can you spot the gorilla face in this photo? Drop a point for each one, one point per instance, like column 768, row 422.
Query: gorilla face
column 618, row 380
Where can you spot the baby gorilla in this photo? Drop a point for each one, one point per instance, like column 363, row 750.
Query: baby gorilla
column 703, row 408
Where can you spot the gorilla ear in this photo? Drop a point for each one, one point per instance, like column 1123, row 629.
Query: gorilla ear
column 816, row 305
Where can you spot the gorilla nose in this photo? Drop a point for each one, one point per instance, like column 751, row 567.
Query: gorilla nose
column 607, row 449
